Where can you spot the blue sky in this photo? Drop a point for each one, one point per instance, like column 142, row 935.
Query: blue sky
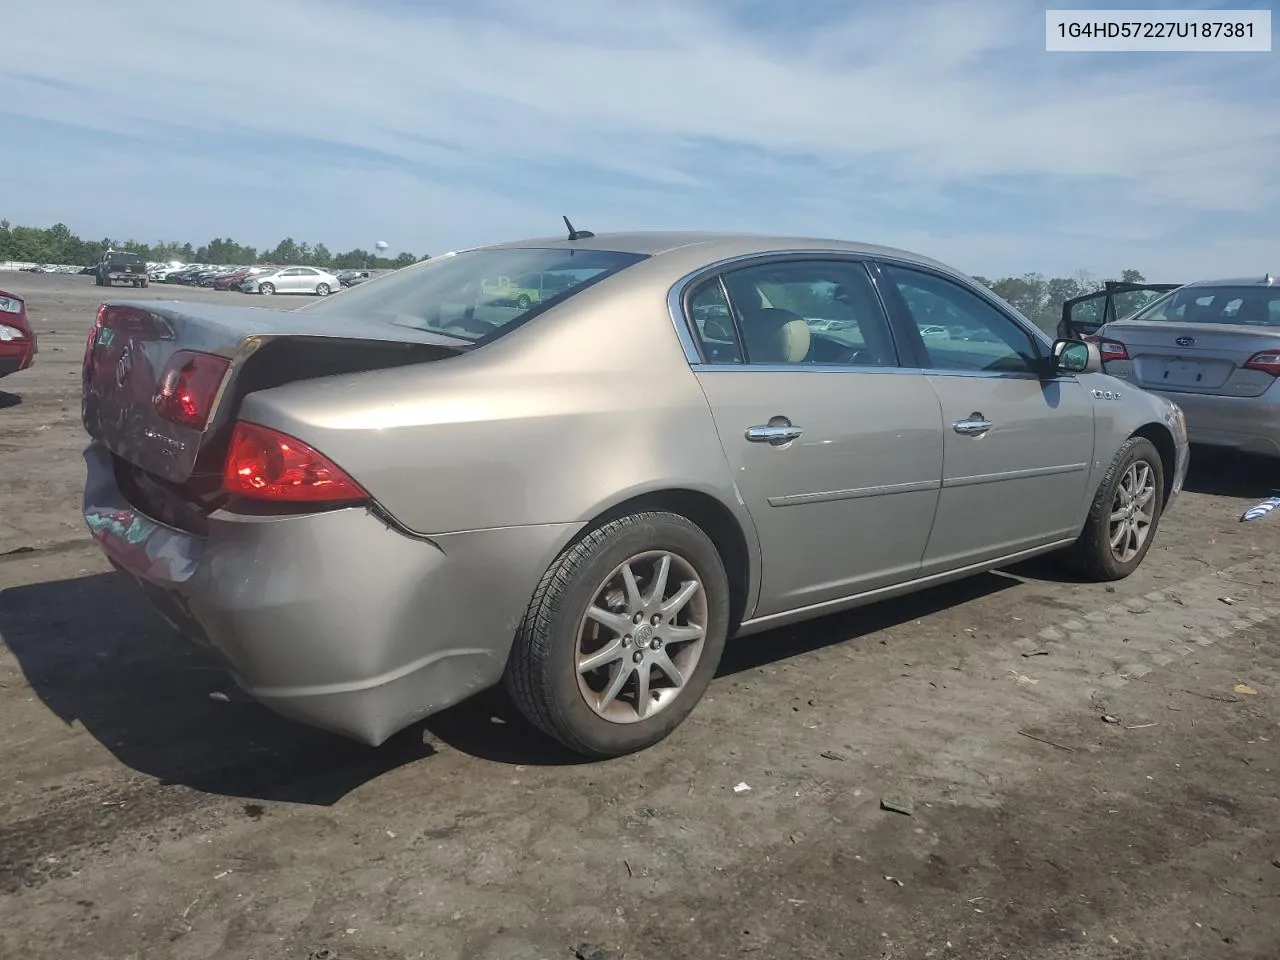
column 943, row 127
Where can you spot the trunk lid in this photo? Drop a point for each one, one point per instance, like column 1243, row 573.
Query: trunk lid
column 1193, row 357
column 135, row 344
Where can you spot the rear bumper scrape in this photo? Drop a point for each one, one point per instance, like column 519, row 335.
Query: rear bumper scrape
column 333, row 619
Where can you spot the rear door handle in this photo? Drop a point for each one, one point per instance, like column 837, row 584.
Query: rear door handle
column 975, row 425
column 774, row 433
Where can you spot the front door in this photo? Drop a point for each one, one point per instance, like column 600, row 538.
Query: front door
column 1018, row 443
column 836, row 450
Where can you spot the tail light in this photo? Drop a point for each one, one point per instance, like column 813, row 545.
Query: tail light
column 98, row 323
column 1112, row 350
column 264, row 464
column 1268, row 361
column 189, row 386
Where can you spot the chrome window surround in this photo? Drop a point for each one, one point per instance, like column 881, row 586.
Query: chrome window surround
column 684, row 324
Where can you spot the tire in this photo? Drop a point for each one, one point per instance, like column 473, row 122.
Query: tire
column 266, row 289
column 542, row 674
column 322, row 289
column 1092, row 555
column 523, row 301
column 145, row 284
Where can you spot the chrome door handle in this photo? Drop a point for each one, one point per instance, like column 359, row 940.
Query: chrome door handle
column 975, row 425
column 774, row 433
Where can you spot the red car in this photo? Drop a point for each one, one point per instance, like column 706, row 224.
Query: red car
column 17, row 339
column 230, row 280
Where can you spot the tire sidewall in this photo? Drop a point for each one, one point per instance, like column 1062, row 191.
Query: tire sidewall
column 675, row 536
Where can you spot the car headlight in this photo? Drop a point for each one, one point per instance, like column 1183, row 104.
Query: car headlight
column 10, row 305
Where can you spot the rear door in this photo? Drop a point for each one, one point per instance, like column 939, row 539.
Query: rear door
column 1018, row 444
column 836, row 449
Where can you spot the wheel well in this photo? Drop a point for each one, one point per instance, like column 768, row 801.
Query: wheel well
column 1168, row 450
column 716, row 521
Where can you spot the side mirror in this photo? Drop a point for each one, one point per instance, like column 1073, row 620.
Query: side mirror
column 1076, row 356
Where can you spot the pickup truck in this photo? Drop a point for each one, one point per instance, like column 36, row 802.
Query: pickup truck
column 124, row 267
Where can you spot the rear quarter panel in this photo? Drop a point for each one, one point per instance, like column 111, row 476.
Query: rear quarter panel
column 584, row 407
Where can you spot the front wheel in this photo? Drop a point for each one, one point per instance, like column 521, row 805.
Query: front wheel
column 266, row 289
column 523, row 301
column 623, row 635
column 1124, row 516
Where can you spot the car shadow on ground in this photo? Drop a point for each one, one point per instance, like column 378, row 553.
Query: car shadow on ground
column 1225, row 473
column 96, row 655
column 8, row 400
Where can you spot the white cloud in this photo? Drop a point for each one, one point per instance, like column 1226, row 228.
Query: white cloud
column 869, row 126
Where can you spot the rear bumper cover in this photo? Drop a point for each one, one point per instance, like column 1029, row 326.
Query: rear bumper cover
column 16, row 355
column 332, row 618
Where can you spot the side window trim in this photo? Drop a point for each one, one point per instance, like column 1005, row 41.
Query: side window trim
column 687, row 328
column 905, row 324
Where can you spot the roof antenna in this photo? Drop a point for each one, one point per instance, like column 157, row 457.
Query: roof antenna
column 576, row 234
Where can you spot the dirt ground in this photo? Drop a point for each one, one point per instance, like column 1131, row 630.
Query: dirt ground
column 141, row 817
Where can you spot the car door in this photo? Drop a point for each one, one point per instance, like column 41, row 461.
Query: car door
column 1018, row 441
column 290, row 280
column 836, row 450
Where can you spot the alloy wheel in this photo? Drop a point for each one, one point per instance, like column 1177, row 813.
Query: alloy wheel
column 642, row 637
column 1131, row 511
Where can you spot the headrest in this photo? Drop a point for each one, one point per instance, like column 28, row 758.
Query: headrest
column 775, row 335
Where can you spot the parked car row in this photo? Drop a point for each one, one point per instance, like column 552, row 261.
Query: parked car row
column 264, row 279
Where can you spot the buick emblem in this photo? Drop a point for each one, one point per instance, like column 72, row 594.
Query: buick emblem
column 124, row 366
column 1186, row 341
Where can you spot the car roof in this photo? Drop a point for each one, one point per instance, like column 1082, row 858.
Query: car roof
column 714, row 245
column 1255, row 281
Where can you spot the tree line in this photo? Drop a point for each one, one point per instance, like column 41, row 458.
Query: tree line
column 1040, row 298
column 58, row 245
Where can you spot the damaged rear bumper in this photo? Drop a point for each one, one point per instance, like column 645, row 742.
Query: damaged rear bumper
column 331, row 618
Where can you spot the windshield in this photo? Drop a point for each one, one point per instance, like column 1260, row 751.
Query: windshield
column 1249, row 306
column 478, row 294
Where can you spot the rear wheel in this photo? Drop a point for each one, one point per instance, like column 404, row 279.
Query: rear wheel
column 622, row 636
column 266, row 289
column 322, row 290
column 523, row 301
column 1124, row 516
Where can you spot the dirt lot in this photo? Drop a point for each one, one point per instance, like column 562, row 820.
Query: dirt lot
column 141, row 817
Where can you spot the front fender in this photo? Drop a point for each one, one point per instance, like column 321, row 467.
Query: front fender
column 1122, row 410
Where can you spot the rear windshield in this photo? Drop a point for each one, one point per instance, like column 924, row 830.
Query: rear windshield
column 124, row 257
column 1251, row 306
column 477, row 295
